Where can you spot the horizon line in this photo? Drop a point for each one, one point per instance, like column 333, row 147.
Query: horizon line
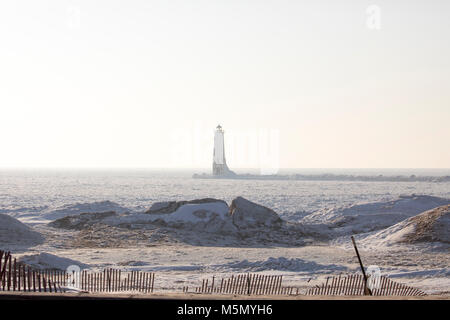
column 207, row 168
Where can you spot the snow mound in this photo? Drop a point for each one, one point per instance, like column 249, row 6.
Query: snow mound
column 30, row 211
column 432, row 225
column 427, row 227
column 12, row 231
column 284, row 264
column 208, row 215
column 428, row 273
column 88, row 207
column 198, row 221
column 370, row 217
column 45, row 260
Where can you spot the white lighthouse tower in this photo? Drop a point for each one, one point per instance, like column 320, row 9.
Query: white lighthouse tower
column 220, row 167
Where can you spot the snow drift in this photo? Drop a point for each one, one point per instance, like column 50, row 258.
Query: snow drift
column 81, row 221
column 47, row 261
column 172, row 206
column 375, row 216
column 285, row 264
column 88, row 207
column 431, row 226
column 12, row 231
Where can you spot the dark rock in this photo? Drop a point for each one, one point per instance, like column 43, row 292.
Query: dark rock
column 246, row 214
column 172, row 206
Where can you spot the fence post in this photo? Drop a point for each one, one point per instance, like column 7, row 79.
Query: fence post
column 9, row 274
column 17, row 276
column 248, row 283
column 367, row 291
column 153, row 280
column 1, row 270
column 5, row 272
column 120, row 280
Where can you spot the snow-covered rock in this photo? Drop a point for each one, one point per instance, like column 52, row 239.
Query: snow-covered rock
column 45, row 260
column 12, row 231
column 163, row 207
column 207, row 215
column 172, row 206
column 246, row 214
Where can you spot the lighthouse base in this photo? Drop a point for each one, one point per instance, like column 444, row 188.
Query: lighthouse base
column 222, row 170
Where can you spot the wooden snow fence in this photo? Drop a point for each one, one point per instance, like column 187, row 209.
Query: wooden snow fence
column 245, row 284
column 353, row 285
column 111, row 280
column 15, row 276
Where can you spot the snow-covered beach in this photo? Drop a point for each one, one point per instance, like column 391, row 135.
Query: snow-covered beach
column 132, row 221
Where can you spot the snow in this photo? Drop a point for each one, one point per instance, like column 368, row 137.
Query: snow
column 32, row 193
column 367, row 217
column 303, row 267
column 188, row 213
column 81, row 221
column 159, row 205
column 12, row 231
column 73, row 209
column 430, row 273
column 49, row 261
column 194, row 213
column 244, row 222
column 328, row 209
column 429, row 227
column 284, row 264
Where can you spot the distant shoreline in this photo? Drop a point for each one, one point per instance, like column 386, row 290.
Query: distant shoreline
column 327, row 177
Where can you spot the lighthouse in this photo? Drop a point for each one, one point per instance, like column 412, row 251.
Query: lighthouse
column 220, row 167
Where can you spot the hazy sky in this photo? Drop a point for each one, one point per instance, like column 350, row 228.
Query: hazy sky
column 144, row 83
